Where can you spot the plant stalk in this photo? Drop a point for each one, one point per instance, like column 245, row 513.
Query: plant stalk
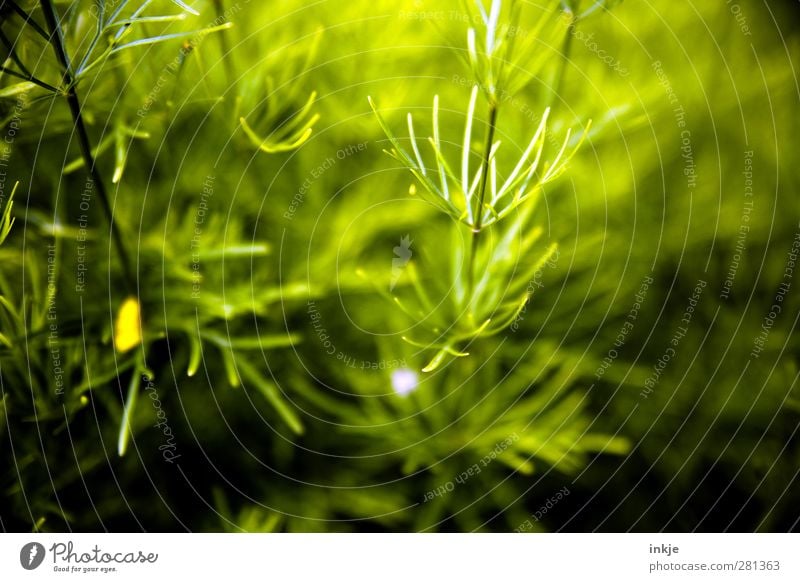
column 223, row 43
column 476, row 230
column 29, row 21
column 565, row 51
column 29, row 78
column 57, row 42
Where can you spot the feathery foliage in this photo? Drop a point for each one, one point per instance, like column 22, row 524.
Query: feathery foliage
column 223, row 307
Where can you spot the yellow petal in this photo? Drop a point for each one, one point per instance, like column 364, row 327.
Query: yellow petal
column 128, row 328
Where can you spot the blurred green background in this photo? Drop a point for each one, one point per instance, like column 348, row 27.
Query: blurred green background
column 649, row 384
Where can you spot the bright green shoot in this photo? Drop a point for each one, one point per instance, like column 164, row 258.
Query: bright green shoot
column 458, row 195
column 6, row 219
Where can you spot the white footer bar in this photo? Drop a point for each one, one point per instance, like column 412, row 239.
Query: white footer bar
column 401, row 557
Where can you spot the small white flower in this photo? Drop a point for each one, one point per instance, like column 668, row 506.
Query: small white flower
column 404, row 381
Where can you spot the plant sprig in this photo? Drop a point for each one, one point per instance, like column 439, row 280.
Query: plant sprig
column 289, row 136
column 6, row 218
column 478, row 198
column 118, row 28
column 460, row 196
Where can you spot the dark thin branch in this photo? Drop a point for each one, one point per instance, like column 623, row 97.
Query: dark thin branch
column 57, row 41
column 12, row 53
column 31, row 79
column 28, row 19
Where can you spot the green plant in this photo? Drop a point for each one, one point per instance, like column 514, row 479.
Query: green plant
column 479, row 200
column 6, row 222
column 81, row 359
column 7, row 219
column 256, row 376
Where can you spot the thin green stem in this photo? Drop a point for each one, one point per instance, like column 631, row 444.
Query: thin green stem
column 95, row 39
column 223, row 42
column 476, row 229
column 57, row 41
column 566, row 46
